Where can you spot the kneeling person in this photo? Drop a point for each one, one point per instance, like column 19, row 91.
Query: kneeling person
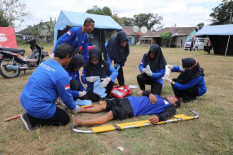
column 149, row 104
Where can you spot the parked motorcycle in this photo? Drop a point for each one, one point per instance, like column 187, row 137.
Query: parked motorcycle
column 13, row 61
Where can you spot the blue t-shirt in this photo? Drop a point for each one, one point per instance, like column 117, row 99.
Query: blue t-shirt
column 142, row 105
column 46, row 83
column 75, row 38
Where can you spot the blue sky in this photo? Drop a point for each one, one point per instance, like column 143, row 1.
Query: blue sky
column 179, row 12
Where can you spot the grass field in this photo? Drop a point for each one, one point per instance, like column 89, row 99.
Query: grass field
column 211, row 134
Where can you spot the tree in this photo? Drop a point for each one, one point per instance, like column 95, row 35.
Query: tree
column 36, row 30
column 3, row 20
column 127, row 21
column 13, row 11
column 200, row 25
column 104, row 11
column 222, row 13
column 147, row 20
column 49, row 26
column 97, row 10
column 166, row 38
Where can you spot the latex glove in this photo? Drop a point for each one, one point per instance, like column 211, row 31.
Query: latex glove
column 77, row 109
column 168, row 80
column 148, row 72
column 170, row 66
column 117, row 66
column 144, row 70
column 148, row 67
column 105, row 82
column 82, row 93
column 91, row 79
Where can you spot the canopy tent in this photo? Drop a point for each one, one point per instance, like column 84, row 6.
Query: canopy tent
column 221, row 37
column 102, row 24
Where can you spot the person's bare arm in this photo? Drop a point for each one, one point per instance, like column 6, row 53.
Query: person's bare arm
column 152, row 98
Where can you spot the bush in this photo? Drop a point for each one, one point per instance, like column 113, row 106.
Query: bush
column 166, row 37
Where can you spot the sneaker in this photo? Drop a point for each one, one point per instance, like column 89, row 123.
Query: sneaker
column 27, row 123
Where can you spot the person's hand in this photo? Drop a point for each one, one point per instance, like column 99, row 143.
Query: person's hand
column 170, row 67
column 154, row 119
column 144, row 70
column 168, row 80
column 91, row 79
column 148, row 72
column 82, row 93
column 77, row 109
column 152, row 98
column 117, row 66
column 105, row 82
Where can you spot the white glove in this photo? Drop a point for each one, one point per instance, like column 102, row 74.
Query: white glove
column 148, row 72
column 105, row 82
column 168, row 80
column 82, row 93
column 144, row 70
column 91, row 79
column 148, row 67
column 51, row 56
column 77, row 109
column 169, row 66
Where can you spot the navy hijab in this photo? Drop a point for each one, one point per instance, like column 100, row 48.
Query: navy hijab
column 77, row 61
column 158, row 62
column 193, row 70
column 101, row 69
column 117, row 53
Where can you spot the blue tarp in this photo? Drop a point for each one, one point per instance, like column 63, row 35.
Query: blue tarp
column 216, row 30
column 77, row 19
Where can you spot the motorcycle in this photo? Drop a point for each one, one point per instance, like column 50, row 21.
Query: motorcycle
column 13, row 61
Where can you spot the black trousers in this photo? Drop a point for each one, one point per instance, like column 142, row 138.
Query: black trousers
column 143, row 79
column 120, row 77
column 59, row 118
column 94, row 97
column 187, row 94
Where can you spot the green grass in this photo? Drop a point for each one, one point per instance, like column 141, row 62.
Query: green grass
column 211, row 134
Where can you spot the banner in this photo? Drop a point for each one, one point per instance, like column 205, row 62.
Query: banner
column 7, row 37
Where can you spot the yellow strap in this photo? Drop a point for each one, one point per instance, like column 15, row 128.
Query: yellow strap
column 103, row 128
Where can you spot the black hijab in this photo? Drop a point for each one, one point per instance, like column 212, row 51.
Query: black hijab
column 101, row 69
column 194, row 70
column 117, row 53
column 158, row 61
column 77, row 61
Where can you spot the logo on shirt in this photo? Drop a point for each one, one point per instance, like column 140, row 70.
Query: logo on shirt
column 141, row 63
column 67, row 86
column 166, row 102
column 82, row 74
column 69, row 32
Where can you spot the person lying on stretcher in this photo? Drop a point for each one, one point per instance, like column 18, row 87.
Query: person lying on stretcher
column 148, row 104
